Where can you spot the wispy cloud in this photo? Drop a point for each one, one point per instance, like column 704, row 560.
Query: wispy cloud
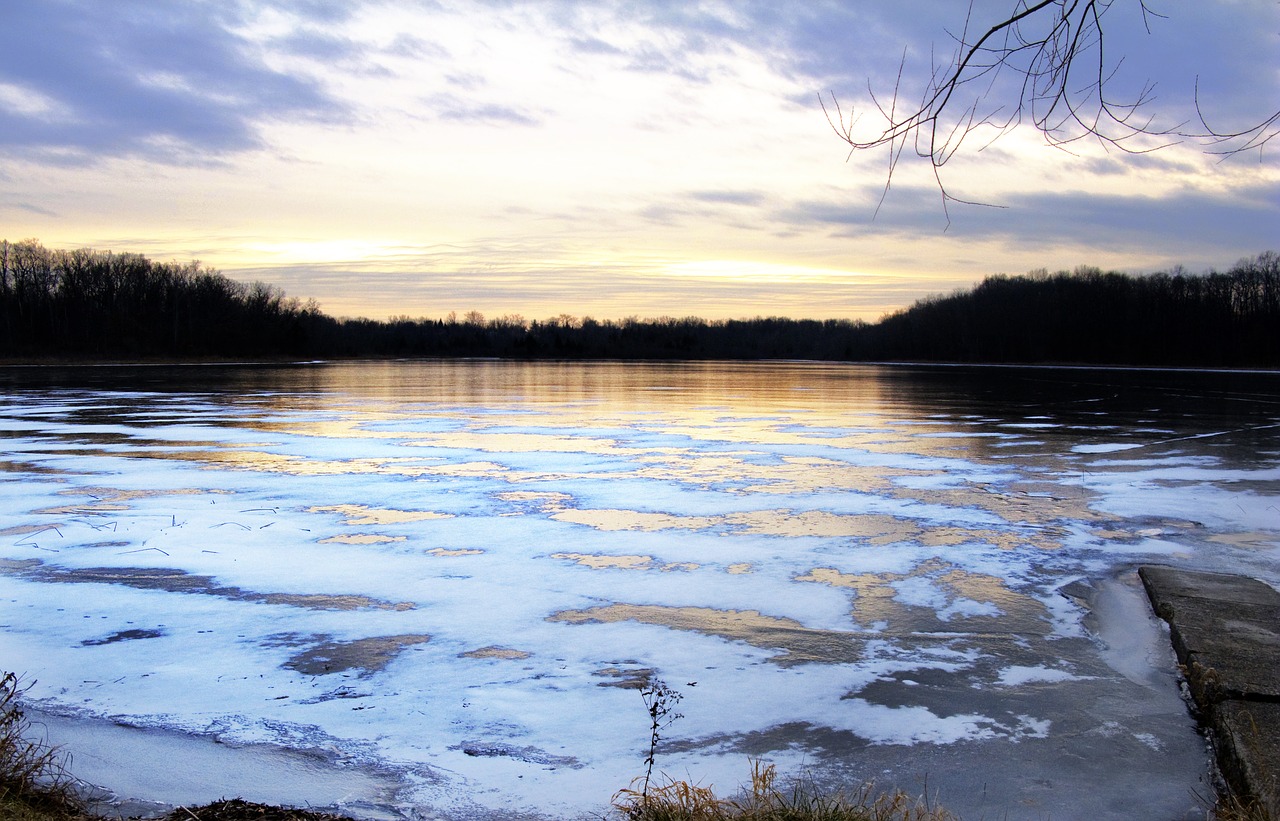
column 730, row 197
column 640, row 136
column 457, row 109
column 172, row 82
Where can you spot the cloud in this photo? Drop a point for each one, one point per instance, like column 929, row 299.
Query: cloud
column 729, row 197
column 538, row 288
column 167, row 81
column 594, row 45
column 28, row 208
column 1222, row 49
column 452, row 108
column 1187, row 221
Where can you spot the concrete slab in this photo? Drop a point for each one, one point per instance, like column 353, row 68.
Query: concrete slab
column 1248, row 742
column 1226, row 632
column 1217, row 587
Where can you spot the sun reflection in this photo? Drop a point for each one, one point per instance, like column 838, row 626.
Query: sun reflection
column 598, row 561
column 367, row 655
column 1019, row 503
column 613, row 520
column 874, row 528
column 936, row 596
column 495, row 652
column 364, row 515
column 866, row 528
column 740, row 473
column 795, row 642
column 361, row 539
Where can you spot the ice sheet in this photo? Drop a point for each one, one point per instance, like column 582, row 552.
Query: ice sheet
column 456, row 576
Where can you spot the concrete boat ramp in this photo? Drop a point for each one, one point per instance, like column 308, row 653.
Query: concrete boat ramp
column 1226, row 633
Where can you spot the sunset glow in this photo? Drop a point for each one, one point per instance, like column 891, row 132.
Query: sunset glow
column 546, row 158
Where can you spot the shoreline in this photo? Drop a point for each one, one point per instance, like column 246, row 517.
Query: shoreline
column 138, row 764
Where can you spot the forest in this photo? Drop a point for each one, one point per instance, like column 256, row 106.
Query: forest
column 92, row 306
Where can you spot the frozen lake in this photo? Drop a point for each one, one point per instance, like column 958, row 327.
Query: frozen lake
column 439, row 584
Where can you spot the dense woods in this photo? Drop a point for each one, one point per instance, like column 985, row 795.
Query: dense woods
column 1227, row 319
column 94, row 305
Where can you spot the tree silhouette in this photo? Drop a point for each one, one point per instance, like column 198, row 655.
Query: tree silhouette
column 86, row 305
column 1046, row 64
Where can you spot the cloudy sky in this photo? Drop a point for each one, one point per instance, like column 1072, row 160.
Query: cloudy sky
column 410, row 157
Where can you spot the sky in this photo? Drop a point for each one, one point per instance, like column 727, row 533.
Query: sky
column 606, row 159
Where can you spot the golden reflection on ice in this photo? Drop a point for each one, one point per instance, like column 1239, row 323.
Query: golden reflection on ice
column 634, row 678
column 477, row 436
column 740, row 569
column 495, row 652
column 614, row 520
column 958, row 601
column 10, row 466
column 845, row 429
column 24, row 530
column 361, row 538
column 869, row 528
column 88, row 510
column 1020, row 503
column 367, row 655
column 793, row 475
column 114, row 500
column 1255, row 540
column 265, row 462
column 459, row 551
column 532, row 501
column 1041, row 538
column 874, row 528
column 502, row 442
column 547, row 497
column 175, row 580
column 364, row 515
column 796, row 642
column 597, row 561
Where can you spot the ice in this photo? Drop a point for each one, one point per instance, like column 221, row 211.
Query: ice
column 1018, row 675
column 452, row 577
column 1105, row 447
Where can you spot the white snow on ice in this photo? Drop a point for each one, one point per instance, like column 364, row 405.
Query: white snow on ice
column 457, row 574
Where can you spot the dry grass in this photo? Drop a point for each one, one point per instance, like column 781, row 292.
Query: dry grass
column 1231, row 808
column 33, row 782
column 238, row 810
column 764, row 801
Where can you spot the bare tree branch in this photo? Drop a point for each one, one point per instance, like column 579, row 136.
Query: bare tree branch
column 1057, row 47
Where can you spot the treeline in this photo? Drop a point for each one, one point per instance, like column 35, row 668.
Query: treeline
column 1227, row 319
column 569, row 338
column 98, row 305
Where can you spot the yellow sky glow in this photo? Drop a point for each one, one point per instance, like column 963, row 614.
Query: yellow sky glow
column 566, row 158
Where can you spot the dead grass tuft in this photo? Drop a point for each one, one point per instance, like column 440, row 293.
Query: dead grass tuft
column 33, row 780
column 240, row 810
column 765, row 801
column 1233, row 808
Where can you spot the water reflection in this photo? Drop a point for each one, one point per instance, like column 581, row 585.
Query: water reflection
column 884, row 567
column 797, row 643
